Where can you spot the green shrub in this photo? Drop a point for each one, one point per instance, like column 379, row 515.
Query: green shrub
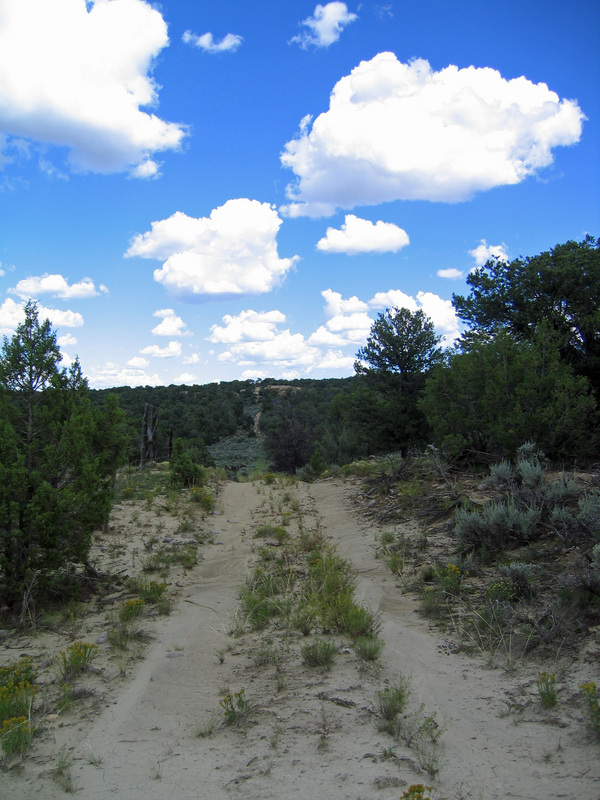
column 130, row 609
column 546, row 684
column 204, row 497
column 151, row 591
column 235, row 707
column 499, row 526
column 15, row 735
column 392, row 700
column 368, row 647
column 75, row 658
column 591, row 695
column 319, row 653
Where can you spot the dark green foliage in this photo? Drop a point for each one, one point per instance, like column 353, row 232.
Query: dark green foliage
column 185, row 469
column 201, row 415
column 382, row 412
column 560, row 288
column 401, row 343
column 493, row 393
column 58, row 458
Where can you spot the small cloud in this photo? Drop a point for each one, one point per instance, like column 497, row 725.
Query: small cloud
column 111, row 375
column 325, row 27
column 362, row 236
column 172, row 349
column 194, row 358
column 451, row 274
column 247, row 326
column 229, row 43
column 138, row 362
column 171, row 325
column 68, row 340
column 484, row 252
column 185, row 377
column 56, row 286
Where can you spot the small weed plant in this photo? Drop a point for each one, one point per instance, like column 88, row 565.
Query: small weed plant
column 391, row 702
column 131, row 609
column 15, row 735
column 319, row 653
column 77, row 657
column 235, row 707
column 591, row 696
column 17, row 690
column 151, row 591
column 368, row 647
column 546, row 684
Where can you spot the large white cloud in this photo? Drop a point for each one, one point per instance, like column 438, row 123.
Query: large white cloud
column 363, row 236
column 326, row 26
column 228, row 43
column 12, row 314
column 56, row 286
column 232, row 252
column 404, row 131
column 76, row 74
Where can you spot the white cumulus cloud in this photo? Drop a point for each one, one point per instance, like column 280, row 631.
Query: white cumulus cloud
column 77, row 74
column 348, row 321
column 440, row 311
column 326, row 26
column 171, row 325
column 56, row 286
column 228, row 43
column 13, row 314
column 232, row 252
column 138, row 362
column 247, row 326
column 68, row 340
column 112, row 374
column 363, row 236
column 397, row 131
column 484, row 252
column 451, row 273
column 172, row 349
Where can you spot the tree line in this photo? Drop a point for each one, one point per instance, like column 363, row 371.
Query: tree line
column 526, row 368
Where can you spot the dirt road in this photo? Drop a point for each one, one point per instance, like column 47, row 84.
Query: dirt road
column 311, row 734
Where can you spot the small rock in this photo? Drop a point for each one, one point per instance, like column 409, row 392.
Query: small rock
column 176, row 654
column 102, row 637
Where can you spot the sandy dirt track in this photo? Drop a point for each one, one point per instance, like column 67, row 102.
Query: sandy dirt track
column 312, row 734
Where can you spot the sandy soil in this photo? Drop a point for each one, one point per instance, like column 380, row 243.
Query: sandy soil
column 311, row 734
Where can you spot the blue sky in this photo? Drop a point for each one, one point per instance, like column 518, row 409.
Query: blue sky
column 213, row 191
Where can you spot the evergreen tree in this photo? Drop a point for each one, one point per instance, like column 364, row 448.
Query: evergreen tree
column 58, row 458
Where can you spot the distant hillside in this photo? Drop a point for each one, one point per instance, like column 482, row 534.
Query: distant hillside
column 217, row 420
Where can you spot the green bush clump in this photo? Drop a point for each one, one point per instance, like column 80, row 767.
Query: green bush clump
column 204, row 497
column 319, row 653
column 499, row 526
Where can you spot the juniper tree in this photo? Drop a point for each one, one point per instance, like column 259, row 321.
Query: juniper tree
column 58, row 458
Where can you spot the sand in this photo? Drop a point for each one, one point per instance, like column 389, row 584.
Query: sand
column 142, row 734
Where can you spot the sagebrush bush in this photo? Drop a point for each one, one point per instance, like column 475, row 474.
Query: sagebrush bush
column 499, row 526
